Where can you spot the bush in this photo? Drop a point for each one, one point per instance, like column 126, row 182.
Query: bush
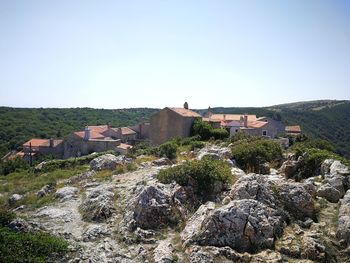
column 28, row 247
column 203, row 173
column 250, row 154
column 206, row 131
column 167, row 149
column 13, row 165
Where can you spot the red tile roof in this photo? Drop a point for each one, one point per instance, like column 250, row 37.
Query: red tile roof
column 124, row 146
column 232, row 117
column 125, row 130
column 256, row 124
column 41, row 143
column 93, row 134
column 185, row 112
column 293, row 129
column 98, row 128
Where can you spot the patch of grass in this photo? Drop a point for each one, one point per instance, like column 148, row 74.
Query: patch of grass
column 29, row 247
column 31, row 200
column 146, row 158
column 28, row 181
column 104, row 175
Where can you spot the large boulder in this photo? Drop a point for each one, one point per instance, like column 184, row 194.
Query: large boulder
column 289, row 168
column 214, row 152
column 329, row 192
column 334, row 187
column 343, row 230
column 20, row 225
column 152, row 208
column 338, row 168
column 296, row 200
column 107, row 162
column 243, row 225
column 14, row 199
column 254, row 186
column 66, row 193
column 98, row 204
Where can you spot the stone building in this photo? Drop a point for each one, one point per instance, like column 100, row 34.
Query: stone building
column 172, row 122
column 35, row 147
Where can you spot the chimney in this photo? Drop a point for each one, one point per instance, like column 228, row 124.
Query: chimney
column 246, row 120
column 186, row 105
column 224, row 117
column 86, row 133
column 51, row 143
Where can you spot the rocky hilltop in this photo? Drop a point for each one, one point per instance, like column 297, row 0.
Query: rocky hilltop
column 258, row 218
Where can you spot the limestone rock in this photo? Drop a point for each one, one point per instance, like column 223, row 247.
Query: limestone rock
column 289, row 168
column 329, row 192
column 13, row 199
column 99, row 203
column 45, row 190
column 237, row 172
column 20, row 225
column 215, row 152
column 338, row 168
column 254, row 186
column 107, row 162
column 242, row 225
column 164, row 252
column 66, row 193
column 152, row 208
column 343, row 230
column 326, row 165
column 296, row 200
column 94, row 232
column 162, row 161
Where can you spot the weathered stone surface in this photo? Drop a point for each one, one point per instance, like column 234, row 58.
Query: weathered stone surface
column 296, row 200
column 289, row 168
column 326, row 165
column 266, row 256
column 164, row 252
column 343, row 230
column 94, row 232
column 20, row 225
column 107, row 162
column 66, row 193
column 152, row 208
column 162, row 161
column 80, row 177
column 254, row 186
column 214, row 152
column 310, row 186
column 45, row 190
column 199, row 254
column 242, row 225
column 13, row 199
column 237, row 172
column 99, row 203
column 329, row 192
column 338, row 168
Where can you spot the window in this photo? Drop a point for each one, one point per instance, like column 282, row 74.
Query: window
column 264, row 133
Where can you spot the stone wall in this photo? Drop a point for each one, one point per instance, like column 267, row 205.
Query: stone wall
column 167, row 124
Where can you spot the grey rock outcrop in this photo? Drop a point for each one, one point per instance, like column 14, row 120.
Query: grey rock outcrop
column 338, row 168
column 215, row 152
column 296, row 200
column 94, row 232
column 243, row 225
column 289, row 168
column 163, row 253
column 13, row 199
column 66, row 193
column 343, row 230
column 107, row 162
column 329, row 192
column 152, row 208
column 162, row 161
column 254, row 186
column 45, row 190
column 99, row 203
column 20, row 225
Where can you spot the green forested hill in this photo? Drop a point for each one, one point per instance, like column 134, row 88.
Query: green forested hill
column 326, row 119
column 17, row 125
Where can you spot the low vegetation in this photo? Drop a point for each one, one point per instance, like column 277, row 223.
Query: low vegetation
column 27, row 247
column 250, row 154
column 206, row 131
column 202, row 174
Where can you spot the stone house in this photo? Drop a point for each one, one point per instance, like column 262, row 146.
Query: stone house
column 36, row 147
column 293, row 130
column 93, row 139
column 172, row 122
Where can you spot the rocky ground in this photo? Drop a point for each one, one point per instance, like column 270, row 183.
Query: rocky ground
column 260, row 218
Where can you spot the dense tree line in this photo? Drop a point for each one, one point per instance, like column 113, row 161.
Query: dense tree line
column 17, row 125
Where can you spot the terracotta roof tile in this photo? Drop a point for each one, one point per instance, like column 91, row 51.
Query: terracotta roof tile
column 93, row 134
column 124, row 146
column 294, row 128
column 256, row 124
column 232, row 117
column 41, row 143
column 98, row 128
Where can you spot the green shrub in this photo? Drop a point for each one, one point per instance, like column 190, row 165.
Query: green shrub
column 167, row 149
column 206, row 131
column 250, row 154
column 16, row 164
column 28, row 247
column 201, row 173
column 196, row 145
column 6, row 217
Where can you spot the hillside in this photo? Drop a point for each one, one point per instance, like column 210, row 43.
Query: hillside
column 325, row 119
column 17, row 125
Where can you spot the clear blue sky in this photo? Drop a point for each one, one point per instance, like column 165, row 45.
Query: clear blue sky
column 118, row 54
